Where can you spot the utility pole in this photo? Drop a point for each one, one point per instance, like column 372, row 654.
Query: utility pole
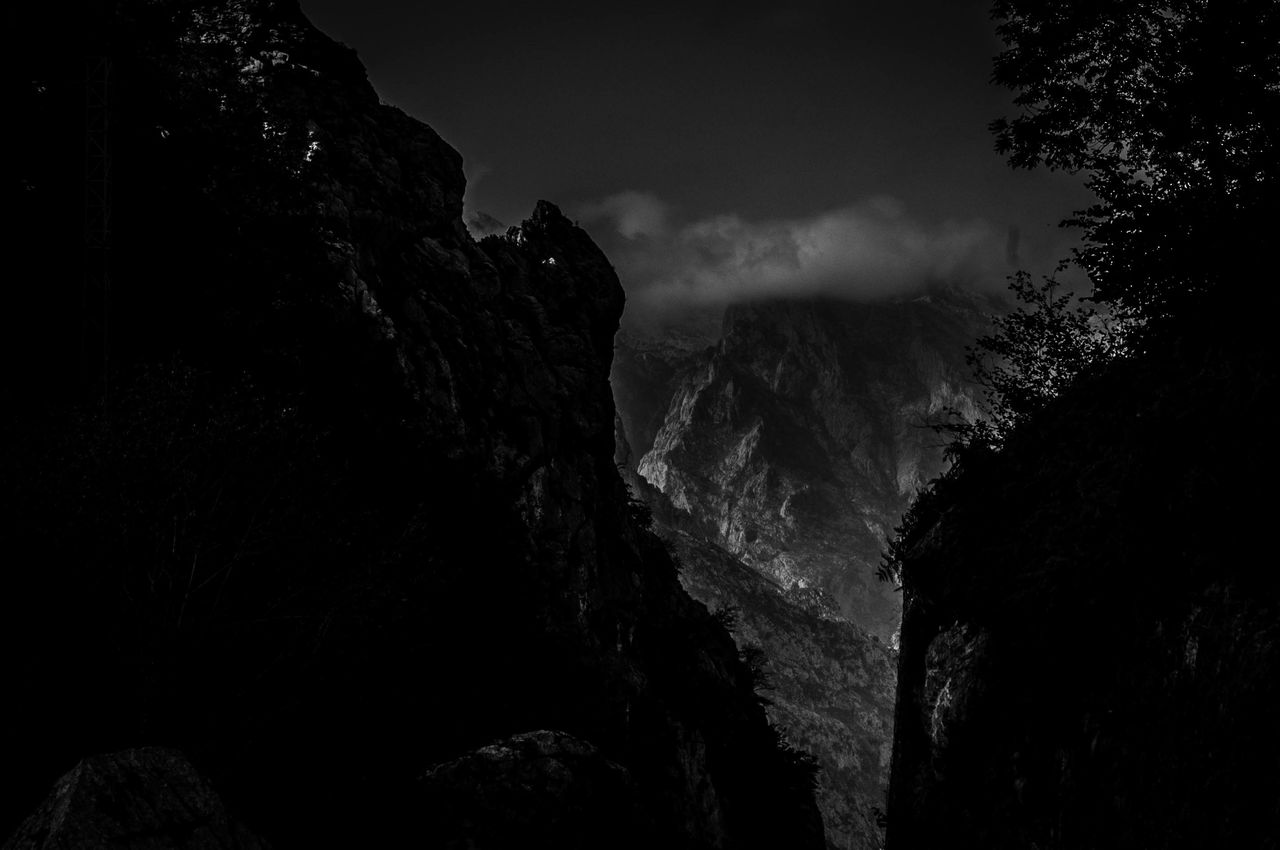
column 96, row 296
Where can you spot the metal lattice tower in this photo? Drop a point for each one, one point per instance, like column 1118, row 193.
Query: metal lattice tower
column 96, row 301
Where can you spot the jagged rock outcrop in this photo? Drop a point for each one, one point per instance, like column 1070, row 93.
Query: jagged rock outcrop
column 801, row 439
column 347, row 508
column 651, row 357
column 829, row 684
column 1090, row 649
column 143, row 799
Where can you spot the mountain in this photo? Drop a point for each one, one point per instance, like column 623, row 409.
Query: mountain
column 800, row 439
column 777, row 452
column 1090, row 648
column 304, row 483
column 825, row 683
column 651, row 356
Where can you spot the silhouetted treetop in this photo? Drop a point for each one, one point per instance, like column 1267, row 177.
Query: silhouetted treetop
column 1172, row 109
column 1181, row 86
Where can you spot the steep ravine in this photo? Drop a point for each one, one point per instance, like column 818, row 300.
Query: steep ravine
column 830, row 369
column 344, row 527
column 827, row 684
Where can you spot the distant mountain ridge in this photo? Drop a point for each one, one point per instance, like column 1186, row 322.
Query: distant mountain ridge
column 800, row 439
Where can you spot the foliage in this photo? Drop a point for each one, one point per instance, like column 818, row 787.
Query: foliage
column 1170, row 108
column 728, row 616
column 924, row 510
column 757, row 662
column 800, row 764
column 1032, row 355
column 1171, row 111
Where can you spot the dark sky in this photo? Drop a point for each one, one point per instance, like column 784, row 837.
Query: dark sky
column 725, row 149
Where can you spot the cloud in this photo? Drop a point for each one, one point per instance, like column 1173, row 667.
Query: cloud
column 474, row 172
column 868, row 250
column 480, row 224
column 633, row 214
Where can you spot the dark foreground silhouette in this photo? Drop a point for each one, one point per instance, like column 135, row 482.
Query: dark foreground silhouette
column 302, row 481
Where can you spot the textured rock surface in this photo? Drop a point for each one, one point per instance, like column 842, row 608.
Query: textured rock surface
column 792, row 444
column 651, row 357
column 143, row 799
column 801, row 439
column 349, row 508
column 1090, row 650
column 829, row 684
column 537, row 789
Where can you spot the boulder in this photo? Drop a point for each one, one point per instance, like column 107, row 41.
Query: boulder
column 536, row 789
column 148, row 798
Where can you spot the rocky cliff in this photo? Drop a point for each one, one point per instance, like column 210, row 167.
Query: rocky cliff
column 651, row 357
column 803, row 436
column 334, row 510
column 824, row 682
column 1091, row 643
column 829, row 682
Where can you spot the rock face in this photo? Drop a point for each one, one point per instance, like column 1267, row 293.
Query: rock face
column 790, row 449
column 802, row 438
column 829, row 684
column 1090, row 651
column 143, row 799
column 651, row 357
column 347, row 507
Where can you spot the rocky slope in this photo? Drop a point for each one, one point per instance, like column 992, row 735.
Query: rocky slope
column 825, row 683
column 1091, row 643
column 828, row 684
column 342, row 506
column 784, row 406
column 800, row 439
column 650, row 358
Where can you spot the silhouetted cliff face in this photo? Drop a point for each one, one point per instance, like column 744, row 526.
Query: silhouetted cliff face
column 1090, row 650
column 348, row 508
column 801, row 439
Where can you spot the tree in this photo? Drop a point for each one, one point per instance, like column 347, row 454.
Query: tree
column 1031, row 356
column 1172, row 110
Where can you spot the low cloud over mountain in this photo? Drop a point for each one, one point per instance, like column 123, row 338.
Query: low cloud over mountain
column 867, row 250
